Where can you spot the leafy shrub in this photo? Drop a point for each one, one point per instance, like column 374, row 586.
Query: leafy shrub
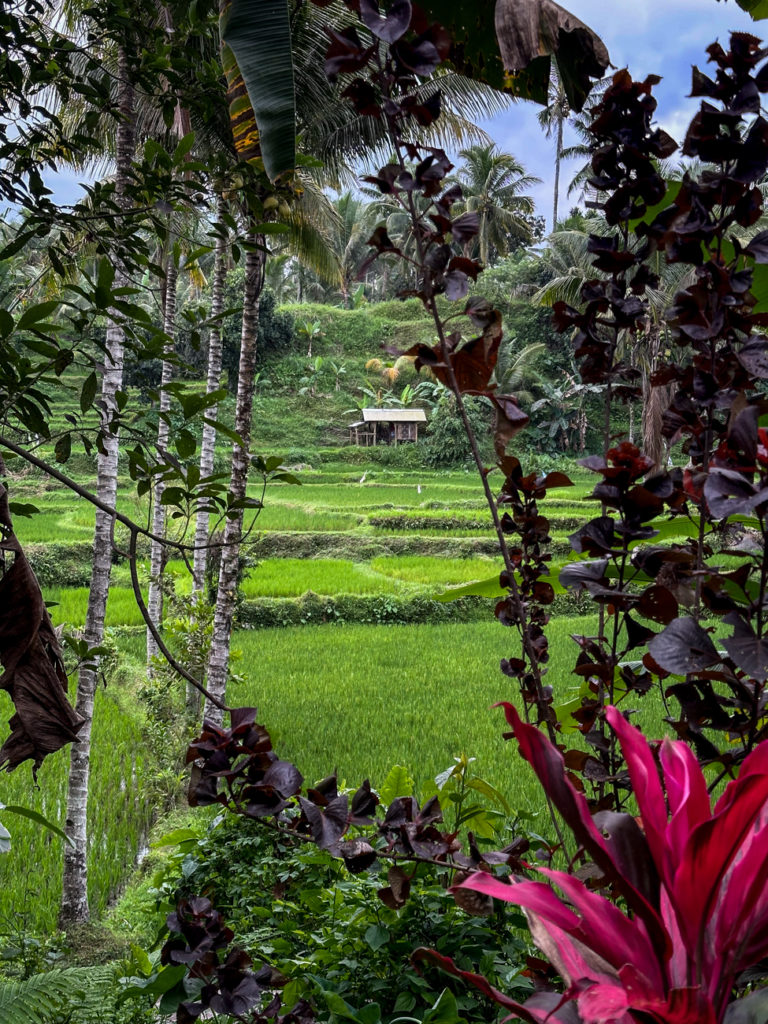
column 447, row 443
column 61, row 565
column 377, row 609
column 329, row 933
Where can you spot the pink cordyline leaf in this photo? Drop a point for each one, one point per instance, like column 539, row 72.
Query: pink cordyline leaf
column 547, row 761
column 673, row 962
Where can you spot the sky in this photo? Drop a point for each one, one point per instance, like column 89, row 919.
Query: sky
column 663, row 37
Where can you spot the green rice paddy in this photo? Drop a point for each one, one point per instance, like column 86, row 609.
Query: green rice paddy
column 355, row 698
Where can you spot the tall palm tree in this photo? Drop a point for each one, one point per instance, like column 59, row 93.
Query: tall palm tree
column 495, row 186
column 552, row 119
column 349, row 237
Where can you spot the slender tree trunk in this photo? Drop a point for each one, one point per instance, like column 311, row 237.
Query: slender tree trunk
column 157, row 554
column 74, row 900
column 208, row 442
column 655, row 402
column 218, row 663
column 558, row 158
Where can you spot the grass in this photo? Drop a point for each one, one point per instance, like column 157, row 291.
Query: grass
column 358, row 698
column 362, row 698
column 291, row 577
column 30, row 875
column 428, row 570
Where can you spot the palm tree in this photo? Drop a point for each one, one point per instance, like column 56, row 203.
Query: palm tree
column 552, row 118
column 495, row 187
column 349, row 237
column 516, row 370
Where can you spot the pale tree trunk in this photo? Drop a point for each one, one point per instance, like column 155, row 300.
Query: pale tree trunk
column 157, row 553
column 218, row 662
column 74, row 900
column 558, row 159
column 208, row 442
column 655, row 402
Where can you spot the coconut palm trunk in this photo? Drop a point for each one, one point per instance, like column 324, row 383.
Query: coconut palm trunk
column 558, row 161
column 208, row 442
column 656, row 399
column 74, row 900
column 218, row 663
column 157, row 553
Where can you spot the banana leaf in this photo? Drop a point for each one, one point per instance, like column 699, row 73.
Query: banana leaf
column 257, row 59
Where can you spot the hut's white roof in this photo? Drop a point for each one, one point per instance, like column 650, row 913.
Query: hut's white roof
column 394, row 416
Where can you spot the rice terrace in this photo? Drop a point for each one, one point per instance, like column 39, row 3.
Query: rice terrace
column 383, row 512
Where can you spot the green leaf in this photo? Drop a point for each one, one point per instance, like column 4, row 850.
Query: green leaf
column 157, row 984
column 34, row 314
column 184, row 146
column 650, row 215
column 6, row 323
column 88, row 392
column 756, row 9
column 260, row 60
column 397, row 783
column 63, row 448
column 444, row 1011
column 106, row 275
column 489, row 791
column 376, row 936
column 173, row 496
column 25, row 812
column 16, row 243
column 141, row 959
column 175, row 837
column 185, row 444
column 222, row 428
column 21, row 508
column 489, row 587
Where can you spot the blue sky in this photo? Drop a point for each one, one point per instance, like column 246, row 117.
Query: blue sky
column 664, row 37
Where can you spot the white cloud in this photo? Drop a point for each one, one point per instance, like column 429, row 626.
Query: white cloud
column 662, row 37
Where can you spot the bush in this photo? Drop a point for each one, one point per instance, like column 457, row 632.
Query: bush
column 61, row 565
column 333, row 938
column 375, row 609
column 447, row 443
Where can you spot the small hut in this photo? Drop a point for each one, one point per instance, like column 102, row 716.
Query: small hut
column 386, row 426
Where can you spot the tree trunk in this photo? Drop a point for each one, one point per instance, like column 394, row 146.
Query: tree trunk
column 218, row 663
column 208, row 442
column 74, row 900
column 558, row 159
column 157, row 554
column 655, row 403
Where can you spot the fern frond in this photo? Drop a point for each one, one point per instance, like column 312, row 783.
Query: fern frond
column 74, row 993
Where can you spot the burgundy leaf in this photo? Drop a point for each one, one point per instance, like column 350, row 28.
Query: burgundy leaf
column 327, row 825
column 391, row 26
column 683, row 647
column 465, row 227
column 747, row 650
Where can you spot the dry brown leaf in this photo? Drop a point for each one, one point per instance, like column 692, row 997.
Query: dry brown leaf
column 31, row 657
